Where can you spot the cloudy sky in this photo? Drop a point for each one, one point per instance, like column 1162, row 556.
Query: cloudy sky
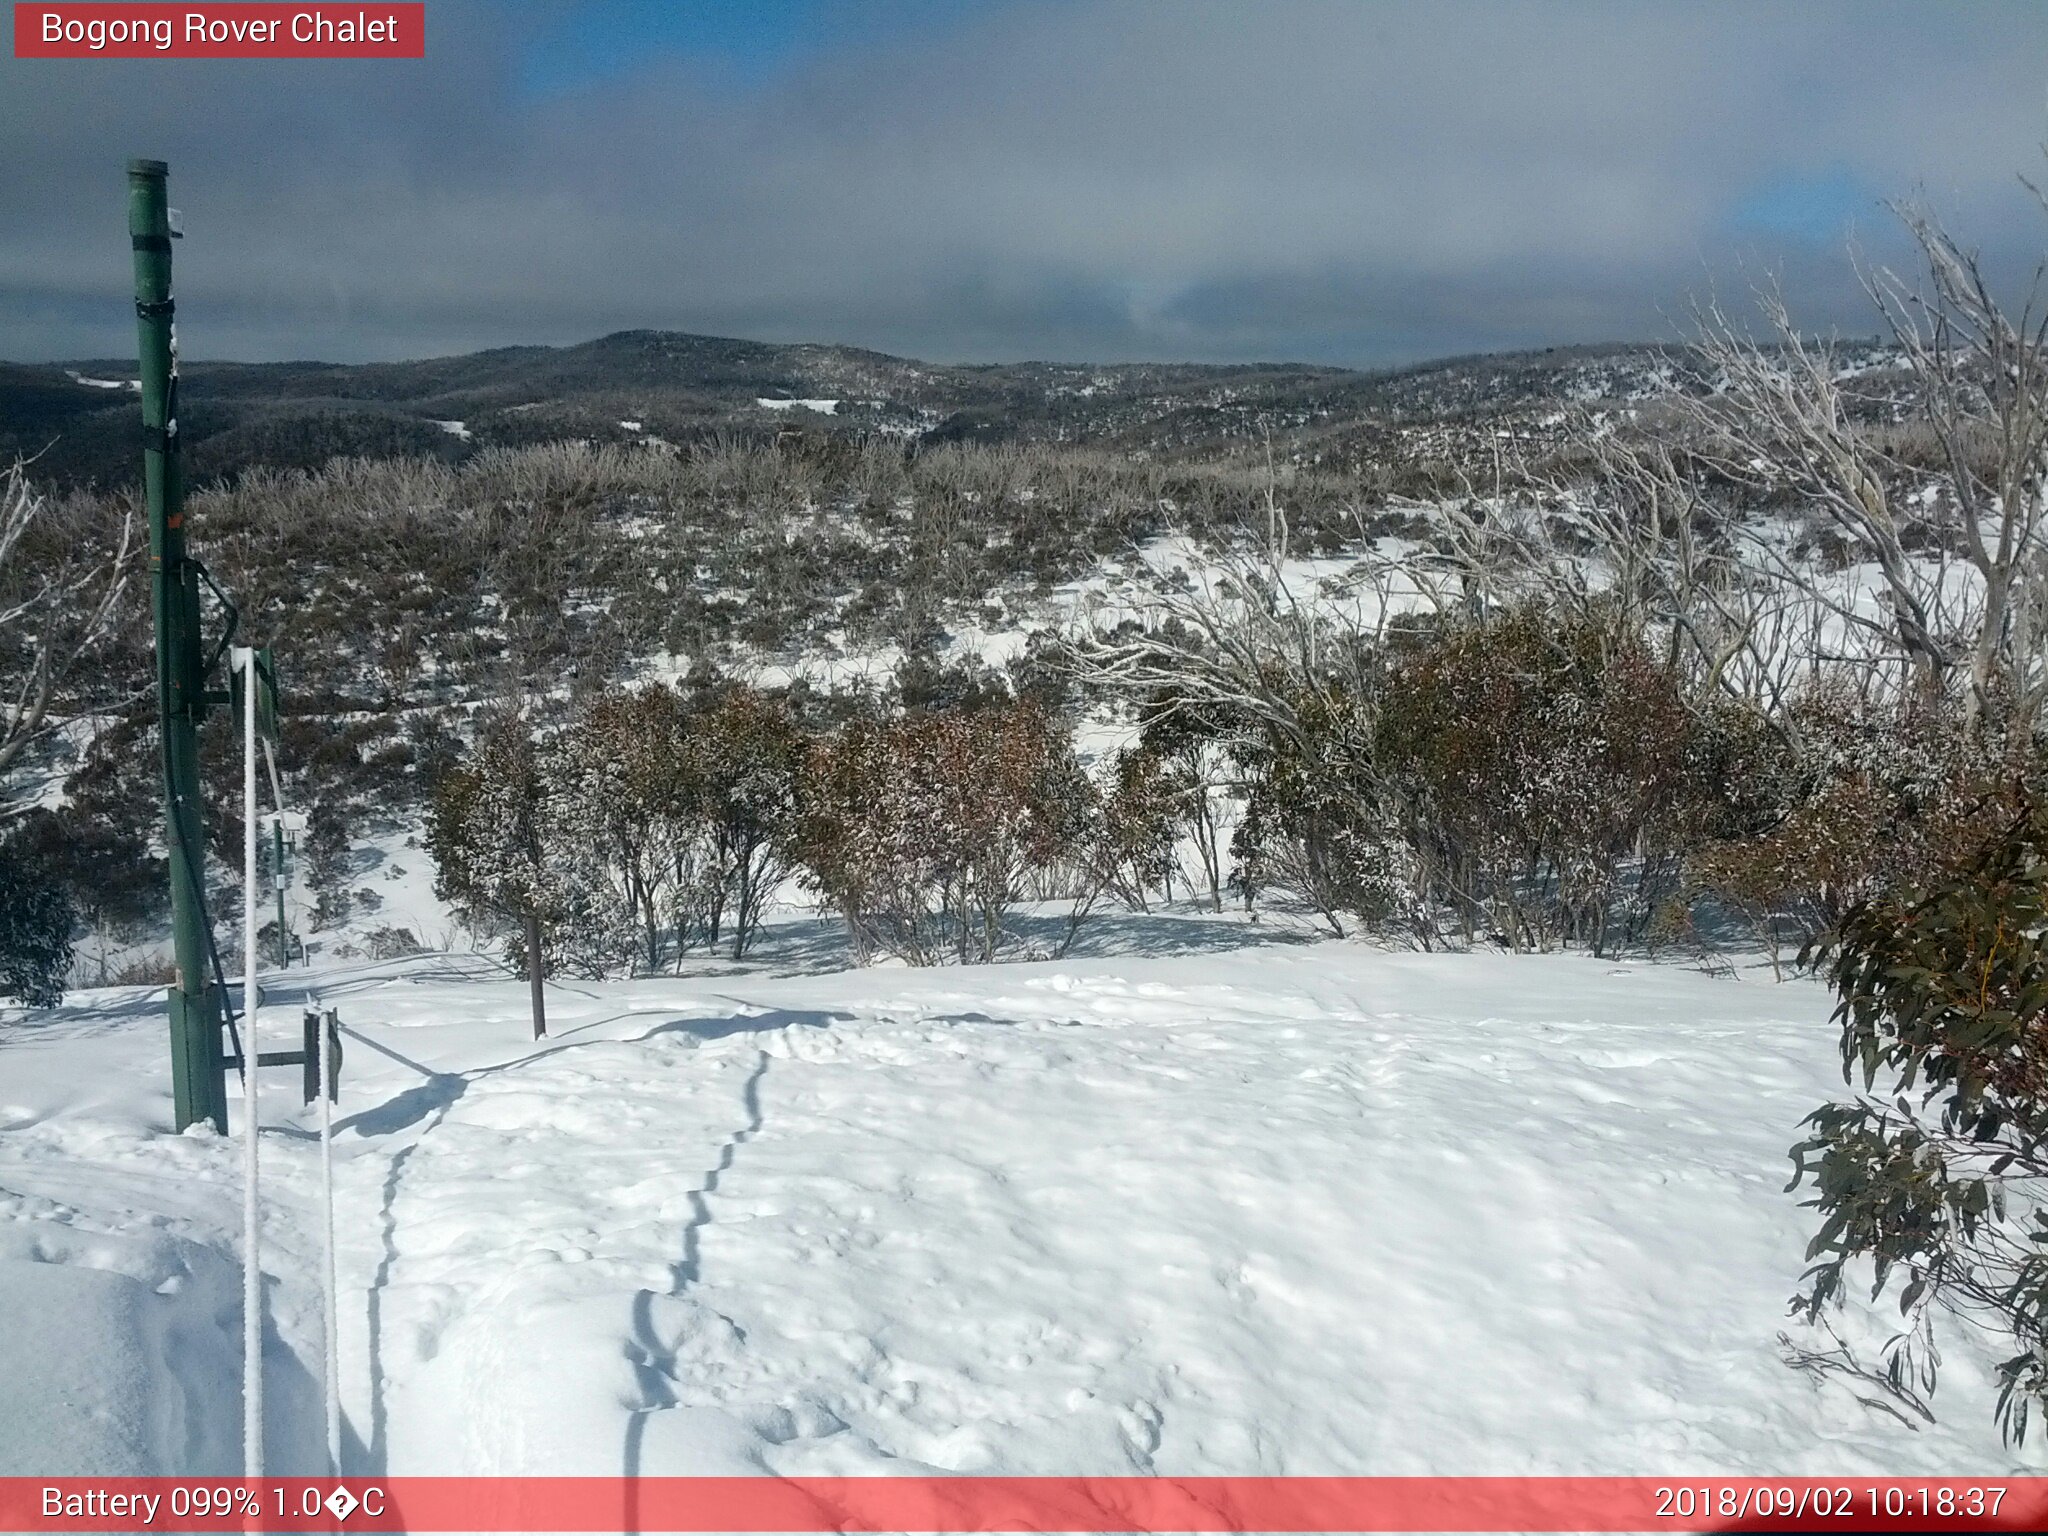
column 1327, row 180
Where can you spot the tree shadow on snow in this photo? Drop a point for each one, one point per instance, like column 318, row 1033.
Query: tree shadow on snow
column 1162, row 934
column 77, row 1021
column 818, row 946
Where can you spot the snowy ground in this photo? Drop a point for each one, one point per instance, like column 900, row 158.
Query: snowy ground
column 1190, row 1208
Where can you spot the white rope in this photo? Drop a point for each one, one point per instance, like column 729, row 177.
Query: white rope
column 333, row 1363
column 252, row 1272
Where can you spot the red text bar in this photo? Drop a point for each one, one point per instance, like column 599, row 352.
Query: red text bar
column 66, row 30
column 1083, row 1504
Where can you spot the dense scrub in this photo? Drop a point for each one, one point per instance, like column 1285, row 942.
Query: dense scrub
column 402, row 595
column 1527, row 770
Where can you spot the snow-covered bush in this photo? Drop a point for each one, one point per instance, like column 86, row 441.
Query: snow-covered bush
column 1316, row 821
column 35, row 930
column 1138, row 808
column 393, row 943
column 656, row 819
column 328, row 867
column 508, row 849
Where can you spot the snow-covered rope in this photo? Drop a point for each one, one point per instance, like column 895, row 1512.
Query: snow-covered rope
column 252, row 1269
column 333, row 1362
column 252, row 1272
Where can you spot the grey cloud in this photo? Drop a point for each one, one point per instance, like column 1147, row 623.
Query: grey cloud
column 1353, row 183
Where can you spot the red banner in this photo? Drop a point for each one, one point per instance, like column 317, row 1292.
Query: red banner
column 1083, row 1504
column 71, row 30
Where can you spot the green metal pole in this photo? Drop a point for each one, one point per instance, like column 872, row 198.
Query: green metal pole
column 198, row 1076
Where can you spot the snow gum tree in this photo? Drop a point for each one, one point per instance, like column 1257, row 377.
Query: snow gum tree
column 1783, row 418
column 61, row 584
column 621, row 777
column 503, row 853
column 744, row 760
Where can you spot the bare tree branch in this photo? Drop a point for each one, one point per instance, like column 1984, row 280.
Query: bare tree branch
column 57, row 602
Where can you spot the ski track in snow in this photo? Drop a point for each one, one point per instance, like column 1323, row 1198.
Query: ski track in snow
column 1313, row 1209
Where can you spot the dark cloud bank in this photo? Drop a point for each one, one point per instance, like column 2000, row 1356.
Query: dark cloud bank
column 1355, row 183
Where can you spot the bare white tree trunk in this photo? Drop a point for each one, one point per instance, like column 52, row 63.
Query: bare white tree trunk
column 54, row 609
column 1782, row 415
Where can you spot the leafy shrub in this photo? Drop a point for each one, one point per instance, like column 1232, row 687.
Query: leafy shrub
column 744, row 771
column 1315, row 819
column 621, row 777
column 922, row 830
column 655, row 816
column 1537, row 763
column 97, row 857
column 1943, row 989
column 1138, row 813
column 1865, row 797
column 1195, row 762
column 329, row 866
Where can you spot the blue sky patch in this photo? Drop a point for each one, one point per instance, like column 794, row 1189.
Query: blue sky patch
column 1815, row 207
column 748, row 41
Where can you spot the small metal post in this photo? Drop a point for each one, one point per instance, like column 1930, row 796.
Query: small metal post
column 330, row 1069
column 284, row 939
column 309, row 1036
column 252, row 1076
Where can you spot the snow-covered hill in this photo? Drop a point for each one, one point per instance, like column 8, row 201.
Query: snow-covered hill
column 1198, row 1204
